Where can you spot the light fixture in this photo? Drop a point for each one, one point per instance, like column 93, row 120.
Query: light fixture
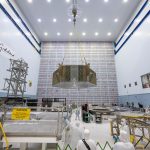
column 100, row 20
column 67, row 1
column 69, row 20
column 125, row 1
column 96, row 33
column 87, row 1
column 58, row 34
column 49, row 1
column 30, row 1
column 116, row 20
column 45, row 33
column 39, row 20
column 83, row 33
column 85, row 20
column 71, row 34
column 109, row 33
column 106, row 1
column 54, row 20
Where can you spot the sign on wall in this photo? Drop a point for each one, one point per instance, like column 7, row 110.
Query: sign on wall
column 6, row 51
column 146, row 80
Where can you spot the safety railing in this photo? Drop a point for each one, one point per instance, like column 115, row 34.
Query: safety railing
column 101, row 147
column 60, row 118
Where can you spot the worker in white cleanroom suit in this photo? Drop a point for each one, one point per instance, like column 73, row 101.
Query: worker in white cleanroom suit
column 77, row 114
column 124, row 143
column 147, row 111
column 76, row 135
column 125, row 128
column 72, row 134
column 66, row 134
column 86, row 143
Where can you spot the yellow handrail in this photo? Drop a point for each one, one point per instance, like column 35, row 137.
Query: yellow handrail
column 5, row 137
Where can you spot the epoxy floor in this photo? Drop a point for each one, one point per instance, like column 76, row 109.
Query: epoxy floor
column 99, row 133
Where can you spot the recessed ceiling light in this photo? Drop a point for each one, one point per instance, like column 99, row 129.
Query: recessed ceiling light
column 67, row 1
column 39, row 20
column 85, row 20
column 30, row 1
column 54, row 20
column 45, row 33
column 96, row 33
column 71, row 34
column 83, row 33
column 106, row 1
column 87, row 1
column 49, row 1
column 58, row 34
column 116, row 20
column 69, row 20
column 100, row 20
column 109, row 33
column 125, row 1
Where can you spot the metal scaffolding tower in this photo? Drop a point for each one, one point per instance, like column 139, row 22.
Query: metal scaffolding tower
column 16, row 85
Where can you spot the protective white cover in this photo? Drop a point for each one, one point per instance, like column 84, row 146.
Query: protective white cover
column 90, row 142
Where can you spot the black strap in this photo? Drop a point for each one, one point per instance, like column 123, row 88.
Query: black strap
column 86, row 144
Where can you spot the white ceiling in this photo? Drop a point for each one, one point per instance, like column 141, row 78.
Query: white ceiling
column 93, row 10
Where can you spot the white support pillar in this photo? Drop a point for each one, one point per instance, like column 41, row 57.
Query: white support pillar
column 44, row 146
column 23, row 146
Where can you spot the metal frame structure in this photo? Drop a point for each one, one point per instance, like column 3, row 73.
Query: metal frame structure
column 16, row 84
column 139, row 127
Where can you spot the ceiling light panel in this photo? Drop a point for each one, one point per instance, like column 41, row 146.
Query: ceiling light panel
column 54, row 20
column 109, row 33
column 100, row 20
column 116, row 20
column 125, row 1
column 45, row 33
column 106, row 1
column 96, row 34
column 85, row 20
column 67, row 1
column 58, row 34
column 69, row 20
column 83, row 34
column 29, row 1
column 71, row 34
column 39, row 20
column 87, row 1
column 49, row 1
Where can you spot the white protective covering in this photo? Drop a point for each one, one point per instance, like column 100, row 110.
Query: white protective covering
column 73, row 134
column 147, row 110
column 90, row 142
column 77, row 114
column 124, row 143
column 124, row 127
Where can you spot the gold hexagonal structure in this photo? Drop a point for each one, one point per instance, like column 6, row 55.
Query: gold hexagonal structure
column 74, row 76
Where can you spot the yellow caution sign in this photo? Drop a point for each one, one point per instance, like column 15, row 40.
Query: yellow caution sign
column 21, row 114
